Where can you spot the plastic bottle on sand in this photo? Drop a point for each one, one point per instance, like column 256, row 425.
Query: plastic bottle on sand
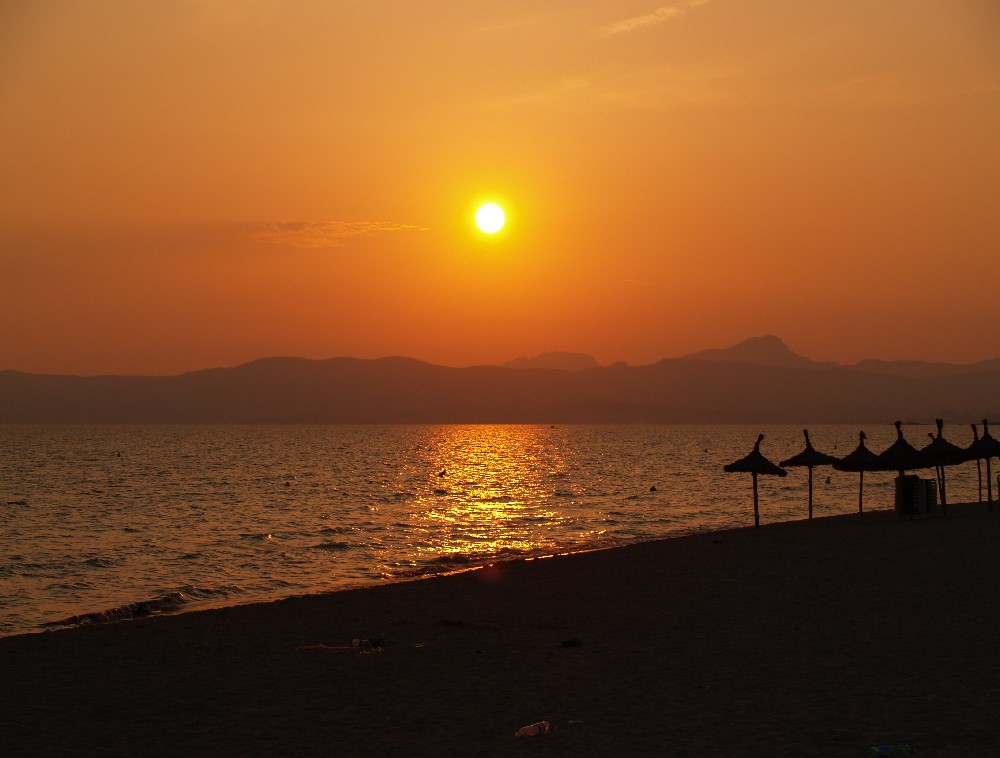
column 892, row 751
column 533, row 730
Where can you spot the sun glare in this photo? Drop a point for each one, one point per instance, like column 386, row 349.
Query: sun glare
column 490, row 218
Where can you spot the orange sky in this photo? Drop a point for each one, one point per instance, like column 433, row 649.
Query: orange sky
column 199, row 183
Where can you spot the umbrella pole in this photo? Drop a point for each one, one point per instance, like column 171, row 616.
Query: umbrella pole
column 756, row 512
column 810, row 492
column 861, row 492
column 989, row 485
column 944, row 495
column 979, row 471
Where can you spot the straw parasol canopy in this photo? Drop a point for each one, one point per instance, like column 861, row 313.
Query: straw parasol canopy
column 755, row 463
column 861, row 459
column 940, row 453
column 901, row 455
column 810, row 458
column 986, row 447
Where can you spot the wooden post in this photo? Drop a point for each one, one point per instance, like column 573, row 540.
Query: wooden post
column 944, row 495
column 989, row 485
column 756, row 511
column 810, row 492
column 861, row 492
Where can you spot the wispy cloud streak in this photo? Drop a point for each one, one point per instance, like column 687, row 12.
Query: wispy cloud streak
column 652, row 88
column 660, row 15
column 313, row 234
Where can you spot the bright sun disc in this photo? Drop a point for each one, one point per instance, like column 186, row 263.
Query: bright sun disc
column 490, row 218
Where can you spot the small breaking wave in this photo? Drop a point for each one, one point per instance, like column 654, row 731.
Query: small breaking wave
column 71, row 586
column 337, row 529
column 98, row 562
column 171, row 602
column 333, row 545
column 451, row 562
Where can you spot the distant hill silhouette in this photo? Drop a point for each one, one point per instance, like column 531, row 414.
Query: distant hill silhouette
column 557, row 361
column 923, row 368
column 772, row 351
column 403, row 390
column 760, row 351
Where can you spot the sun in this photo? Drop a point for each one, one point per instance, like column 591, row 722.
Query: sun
column 490, row 218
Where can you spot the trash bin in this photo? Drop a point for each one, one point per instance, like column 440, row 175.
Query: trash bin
column 927, row 502
column 908, row 492
column 915, row 496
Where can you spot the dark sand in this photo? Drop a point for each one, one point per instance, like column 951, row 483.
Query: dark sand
column 804, row 639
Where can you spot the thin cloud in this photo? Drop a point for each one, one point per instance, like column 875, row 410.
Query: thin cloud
column 646, row 88
column 314, row 234
column 660, row 15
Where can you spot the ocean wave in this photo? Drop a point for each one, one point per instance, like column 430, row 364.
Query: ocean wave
column 168, row 603
column 72, row 586
column 258, row 537
column 459, row 561
column 98, row 562
column 337, row 529
column 333, row 545
column 454, row 559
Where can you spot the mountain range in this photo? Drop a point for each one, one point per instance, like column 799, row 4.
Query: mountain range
column 757, row 381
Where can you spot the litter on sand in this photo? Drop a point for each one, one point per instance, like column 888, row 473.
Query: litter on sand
column 533, row 730
column 358, row 645
column 892, row 751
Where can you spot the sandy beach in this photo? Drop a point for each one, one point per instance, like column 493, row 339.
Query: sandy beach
column 806, row 638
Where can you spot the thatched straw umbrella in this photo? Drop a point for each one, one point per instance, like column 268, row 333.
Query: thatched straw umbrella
column 940, row 453
column 861, row 459
column 986, row 447
column 810, row 458
column 901, row 455
column 755, row 463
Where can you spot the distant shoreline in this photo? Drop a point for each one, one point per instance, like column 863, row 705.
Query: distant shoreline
column 404, row 391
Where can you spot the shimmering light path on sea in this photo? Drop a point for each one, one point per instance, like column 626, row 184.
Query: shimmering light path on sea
column 104, row 522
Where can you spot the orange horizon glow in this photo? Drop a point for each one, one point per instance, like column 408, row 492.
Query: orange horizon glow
column 191, row 185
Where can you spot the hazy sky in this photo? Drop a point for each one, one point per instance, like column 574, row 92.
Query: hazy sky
column 200, row 183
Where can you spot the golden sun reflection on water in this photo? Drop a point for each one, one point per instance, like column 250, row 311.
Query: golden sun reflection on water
column 487, row 491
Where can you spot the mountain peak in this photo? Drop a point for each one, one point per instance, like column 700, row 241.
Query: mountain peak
column 767, row 350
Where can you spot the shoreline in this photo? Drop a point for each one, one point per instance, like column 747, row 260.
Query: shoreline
column 806, row 638
column 167, row 605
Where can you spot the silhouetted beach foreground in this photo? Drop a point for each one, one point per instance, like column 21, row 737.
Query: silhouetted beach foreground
column 815, row 639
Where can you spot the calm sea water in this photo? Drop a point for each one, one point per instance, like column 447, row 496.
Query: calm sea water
column 106, row 522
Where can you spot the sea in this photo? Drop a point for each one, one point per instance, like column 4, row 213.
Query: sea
column 108, row 523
